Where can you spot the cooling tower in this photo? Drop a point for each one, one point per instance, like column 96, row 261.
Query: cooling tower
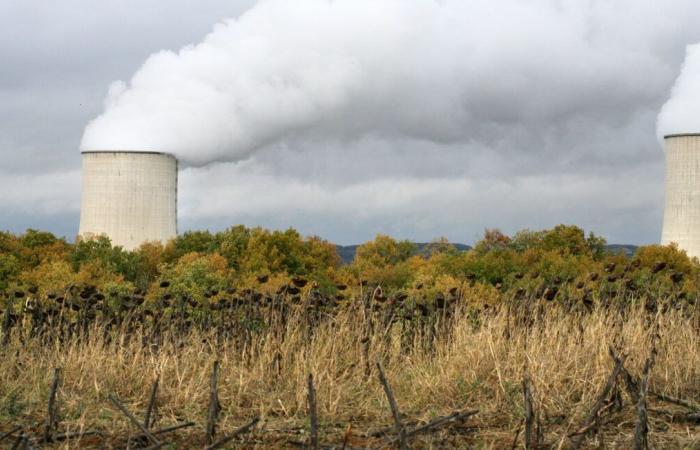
column 130, row 197
column 682, row 212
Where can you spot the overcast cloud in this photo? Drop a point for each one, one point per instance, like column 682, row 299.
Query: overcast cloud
column 414, row 118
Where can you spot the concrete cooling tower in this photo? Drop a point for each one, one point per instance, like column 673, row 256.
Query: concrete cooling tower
column 682, row 212
column 130, row 197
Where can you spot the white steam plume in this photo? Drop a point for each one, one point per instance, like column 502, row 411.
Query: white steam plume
column 442, row 71
column 681, row 113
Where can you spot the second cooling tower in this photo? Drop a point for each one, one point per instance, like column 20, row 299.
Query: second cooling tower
column 682, row 212
column 130, row 197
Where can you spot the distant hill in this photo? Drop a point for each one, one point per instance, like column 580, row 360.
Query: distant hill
column 628, row 250
column 347, row 252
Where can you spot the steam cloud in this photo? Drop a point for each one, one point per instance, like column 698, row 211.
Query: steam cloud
column 445, row 71
column 681, row 112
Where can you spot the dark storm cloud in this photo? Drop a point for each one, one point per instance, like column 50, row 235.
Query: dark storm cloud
column 535, row 113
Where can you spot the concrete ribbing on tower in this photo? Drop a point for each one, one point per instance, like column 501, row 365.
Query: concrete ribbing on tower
column 682, row 211
column 130, row 197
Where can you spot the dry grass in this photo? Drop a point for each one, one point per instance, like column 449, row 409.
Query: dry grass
column 469, row 366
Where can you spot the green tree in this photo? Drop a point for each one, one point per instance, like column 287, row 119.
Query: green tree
column 493, row 239
column 568, row 239
column 384, row 261
column 384, row 251
column 113, row 259
column 34, row 238
column 195, row 274
column 9, row 269
column 233, row 244
column 189, row 242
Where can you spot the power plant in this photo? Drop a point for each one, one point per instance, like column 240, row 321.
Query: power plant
column 131, row 196
column 682, row 212
column 128, row 196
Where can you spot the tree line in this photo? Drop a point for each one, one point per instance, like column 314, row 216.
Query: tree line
column 563, row 263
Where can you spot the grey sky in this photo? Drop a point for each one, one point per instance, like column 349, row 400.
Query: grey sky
column 558, row 132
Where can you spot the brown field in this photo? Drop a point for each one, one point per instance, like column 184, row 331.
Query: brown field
column 452, row 359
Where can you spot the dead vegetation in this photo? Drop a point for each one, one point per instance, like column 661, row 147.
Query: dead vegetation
column 300, row 370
